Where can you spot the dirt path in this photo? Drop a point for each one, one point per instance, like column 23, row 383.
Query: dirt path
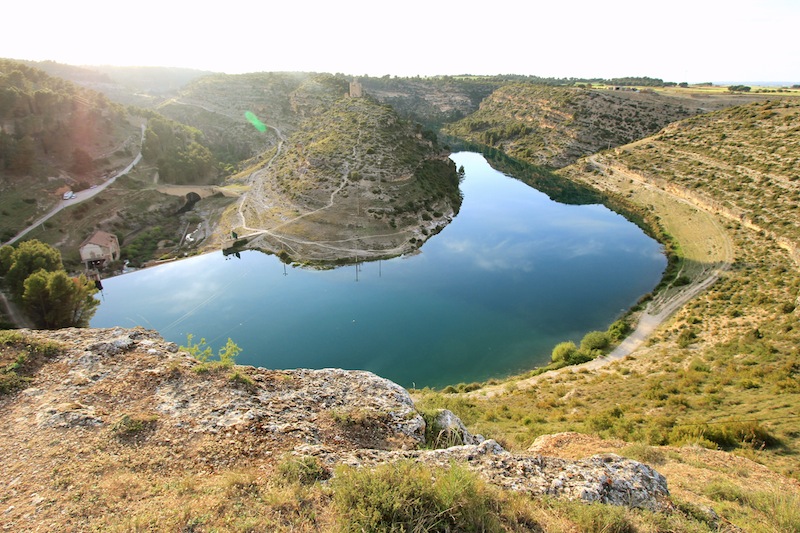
column 256, row 190
column 667, row 301
column 256, row 195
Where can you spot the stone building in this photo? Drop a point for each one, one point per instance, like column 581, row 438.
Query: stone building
column 356, row 91
column 99, row 249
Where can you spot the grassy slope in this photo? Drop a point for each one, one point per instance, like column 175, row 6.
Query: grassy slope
column 724, row 371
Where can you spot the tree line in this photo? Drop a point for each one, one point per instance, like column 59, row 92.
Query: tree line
column 48, row 119
column 179, row 151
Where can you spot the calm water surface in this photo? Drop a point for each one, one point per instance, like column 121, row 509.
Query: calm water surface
column 513, row 274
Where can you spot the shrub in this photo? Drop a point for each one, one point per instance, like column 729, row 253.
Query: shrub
column 681, row 281
column 726, row 436
column 305, row 470
column 644, row 454
column 406, row 496
column 618, row 330
column 563, row 352
column 606, row 518
column 226, row 356
column 128, row 426
column 594, row 340
column 21, row 357
column 686, row 337
column 242, row 379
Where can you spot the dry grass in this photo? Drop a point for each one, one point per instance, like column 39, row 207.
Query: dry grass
column 722, row 372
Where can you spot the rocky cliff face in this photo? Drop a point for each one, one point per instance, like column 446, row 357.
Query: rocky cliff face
column 118, row 398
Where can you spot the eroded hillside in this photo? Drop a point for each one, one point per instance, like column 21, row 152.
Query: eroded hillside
column 554, row 126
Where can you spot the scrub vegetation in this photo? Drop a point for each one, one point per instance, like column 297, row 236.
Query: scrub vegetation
column 711, row 399
column 723, row 372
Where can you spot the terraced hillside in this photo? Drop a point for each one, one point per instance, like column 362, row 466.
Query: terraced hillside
column 554, row 126
column 744, row 161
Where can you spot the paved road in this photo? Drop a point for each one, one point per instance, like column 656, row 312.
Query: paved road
column 81, row 196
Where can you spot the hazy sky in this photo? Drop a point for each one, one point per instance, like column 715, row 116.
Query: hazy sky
column 677, row 40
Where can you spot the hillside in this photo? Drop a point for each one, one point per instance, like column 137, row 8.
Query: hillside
column 353, row 181
column 216, row 105
column 143, row 87
column 117, row 430
column 54, row 136
column 742, row 160
column 723, row 371
column 430, row 101
column 554, row 126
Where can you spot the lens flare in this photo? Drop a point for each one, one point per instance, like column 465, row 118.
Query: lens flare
column 260, row 126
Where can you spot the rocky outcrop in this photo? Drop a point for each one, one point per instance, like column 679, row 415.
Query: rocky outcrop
column 145, row 372
column 606, row 478
column 445, row 429
column 133, row 383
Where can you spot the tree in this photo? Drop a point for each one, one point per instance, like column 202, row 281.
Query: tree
column 54, row 300
column 24, row 156
column 6, row 258
column 29, row 257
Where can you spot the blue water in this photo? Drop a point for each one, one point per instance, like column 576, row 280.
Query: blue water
column 511, row 276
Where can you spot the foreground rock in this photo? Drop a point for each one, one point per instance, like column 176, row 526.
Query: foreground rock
column 129, row 394
column 606, row 478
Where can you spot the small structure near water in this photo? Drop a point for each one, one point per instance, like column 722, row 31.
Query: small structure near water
column 100, row 248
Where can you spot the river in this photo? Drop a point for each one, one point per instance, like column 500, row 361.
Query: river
column 511, row 276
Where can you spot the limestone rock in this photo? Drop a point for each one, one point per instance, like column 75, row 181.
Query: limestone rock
column 605, row 478
column 338, row 416
column 448, row 430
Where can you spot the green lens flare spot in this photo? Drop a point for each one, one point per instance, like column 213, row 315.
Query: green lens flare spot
column 260, row 126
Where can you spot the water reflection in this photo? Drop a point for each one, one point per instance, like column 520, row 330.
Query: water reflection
column 511, row 276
